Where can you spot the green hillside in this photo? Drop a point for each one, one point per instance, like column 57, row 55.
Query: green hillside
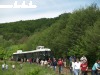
column 75, row 33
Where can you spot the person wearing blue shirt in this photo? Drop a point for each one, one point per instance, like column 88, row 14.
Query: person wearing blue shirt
column 95, row 68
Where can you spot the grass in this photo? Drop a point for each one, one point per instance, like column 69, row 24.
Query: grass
column 27, row 69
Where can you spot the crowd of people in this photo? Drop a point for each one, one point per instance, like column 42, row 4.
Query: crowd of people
column 52, row 63
column 77, row 66
column 80, row 66
column 5, row 66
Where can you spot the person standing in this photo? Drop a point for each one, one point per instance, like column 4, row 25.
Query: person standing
column 84, row 68
column 54, row 64
column 60, row 64
column 37, row 60
column 13, row 66
column 30, row 60
column 45, row 63
column 49, row 62
column 77, row 67
column 42, row 62
column 95, row 68
column 3, row 66
column 64, row 62
column 70, row 59
column 72, row 67
column 83, row 58
column 6, row 66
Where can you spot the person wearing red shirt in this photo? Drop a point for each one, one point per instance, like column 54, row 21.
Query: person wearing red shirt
column 84, row 67
column 60, row 64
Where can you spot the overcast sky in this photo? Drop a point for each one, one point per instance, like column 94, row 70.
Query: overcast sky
column 43, row 9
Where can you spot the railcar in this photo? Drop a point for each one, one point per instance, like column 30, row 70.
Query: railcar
column 40, row 52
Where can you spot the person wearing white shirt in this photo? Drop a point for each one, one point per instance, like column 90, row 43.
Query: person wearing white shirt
column 42, row 62
column 72, row 67
column 77, row 67
column 45, row 63
column 13, row 66
column 6, row 66
column 83, row 58
column 3, row 66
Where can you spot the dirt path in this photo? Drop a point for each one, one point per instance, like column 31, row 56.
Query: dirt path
column 65, row 71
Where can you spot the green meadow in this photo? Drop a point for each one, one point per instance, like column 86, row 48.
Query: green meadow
column 27, row 69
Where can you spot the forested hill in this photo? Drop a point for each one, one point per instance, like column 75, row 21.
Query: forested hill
column 17, row 30
column 76, row 33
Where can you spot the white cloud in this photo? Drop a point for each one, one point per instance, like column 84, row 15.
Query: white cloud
column 16, row 5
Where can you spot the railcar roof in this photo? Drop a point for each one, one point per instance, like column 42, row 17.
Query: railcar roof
column 38, row 50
